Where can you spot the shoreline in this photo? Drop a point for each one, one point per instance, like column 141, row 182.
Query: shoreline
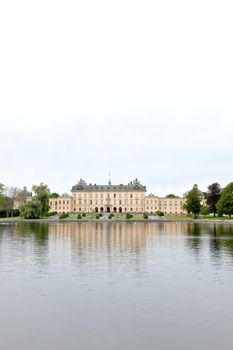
column 49, row 221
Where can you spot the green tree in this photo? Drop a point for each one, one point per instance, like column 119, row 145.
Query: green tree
column 1, row 195
column 193, row 201
column 213, row 196
column 225, row 203
column 205, row 210
column 171, row 195
column 54, row 195
column 31, row 209
column 42, row 194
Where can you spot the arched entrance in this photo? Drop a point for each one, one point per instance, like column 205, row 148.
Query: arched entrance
column 108, row 210
column 120, row 210
column 96, row 210
column 101, row 209
column 114, row 209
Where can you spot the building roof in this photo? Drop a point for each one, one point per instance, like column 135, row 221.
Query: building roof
column 132, row 186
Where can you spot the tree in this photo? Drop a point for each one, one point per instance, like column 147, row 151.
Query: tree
column 225, row 203
column 54, row 195
column 42, row 194
column 31, row 209
column 213, row 195
column 205, row 210
column 193, row 201
column 1, row 195
column 171, row 195
column 11, row 194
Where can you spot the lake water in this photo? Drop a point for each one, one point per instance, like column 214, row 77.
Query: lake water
column 116, row 286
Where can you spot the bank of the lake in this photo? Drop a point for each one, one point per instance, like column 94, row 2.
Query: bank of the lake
column 135, row 220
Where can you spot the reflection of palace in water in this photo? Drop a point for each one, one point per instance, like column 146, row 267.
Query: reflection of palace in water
column 92, row 198
column 116, row 235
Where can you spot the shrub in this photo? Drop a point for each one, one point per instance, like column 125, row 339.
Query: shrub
column 100, row 215
column 97, row 216
column 84, row 215
column 129, row 216
column 159, row 213
column 145, row 216
column 3, row 213
column 64, row 216
column 111, row 216
column 51, row 213
column 79, row 216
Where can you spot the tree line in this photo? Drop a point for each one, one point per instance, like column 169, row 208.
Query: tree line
column 216, row 200
column 29, row 208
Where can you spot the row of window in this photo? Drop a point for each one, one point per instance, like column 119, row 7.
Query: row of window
column 163, row 203
column 107, row 195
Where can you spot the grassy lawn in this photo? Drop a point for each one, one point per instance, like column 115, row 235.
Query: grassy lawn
column 12, row 219
column 179, row 217
column 210, row 217
column 201, row 217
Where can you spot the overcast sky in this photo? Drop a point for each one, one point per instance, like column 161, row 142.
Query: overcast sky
column 138, row 88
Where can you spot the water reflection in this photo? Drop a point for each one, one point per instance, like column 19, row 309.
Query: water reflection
column 116, row 286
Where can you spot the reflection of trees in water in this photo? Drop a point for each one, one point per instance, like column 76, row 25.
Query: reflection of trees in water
column 223, row 236
column 220, row 238
column 27, row 242
column 193, row 239
column 39, row 231
column 34, row 237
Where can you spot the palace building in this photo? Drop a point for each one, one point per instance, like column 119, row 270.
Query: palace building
column 93, row 198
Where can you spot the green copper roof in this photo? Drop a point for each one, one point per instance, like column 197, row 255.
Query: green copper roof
column 132, row 186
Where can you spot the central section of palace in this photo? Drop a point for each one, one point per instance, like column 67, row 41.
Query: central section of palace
column 90, row 198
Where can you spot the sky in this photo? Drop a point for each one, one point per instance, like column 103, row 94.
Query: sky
column 135, row 88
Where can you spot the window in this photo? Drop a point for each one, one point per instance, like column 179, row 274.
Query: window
column 114, row 196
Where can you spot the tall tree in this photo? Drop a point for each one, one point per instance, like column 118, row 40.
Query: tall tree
column 193, row 201
column 31, row 209
column 213, row 195
column 42, row 194
column 11, row 194
column 1, row 195
column 225, row 203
